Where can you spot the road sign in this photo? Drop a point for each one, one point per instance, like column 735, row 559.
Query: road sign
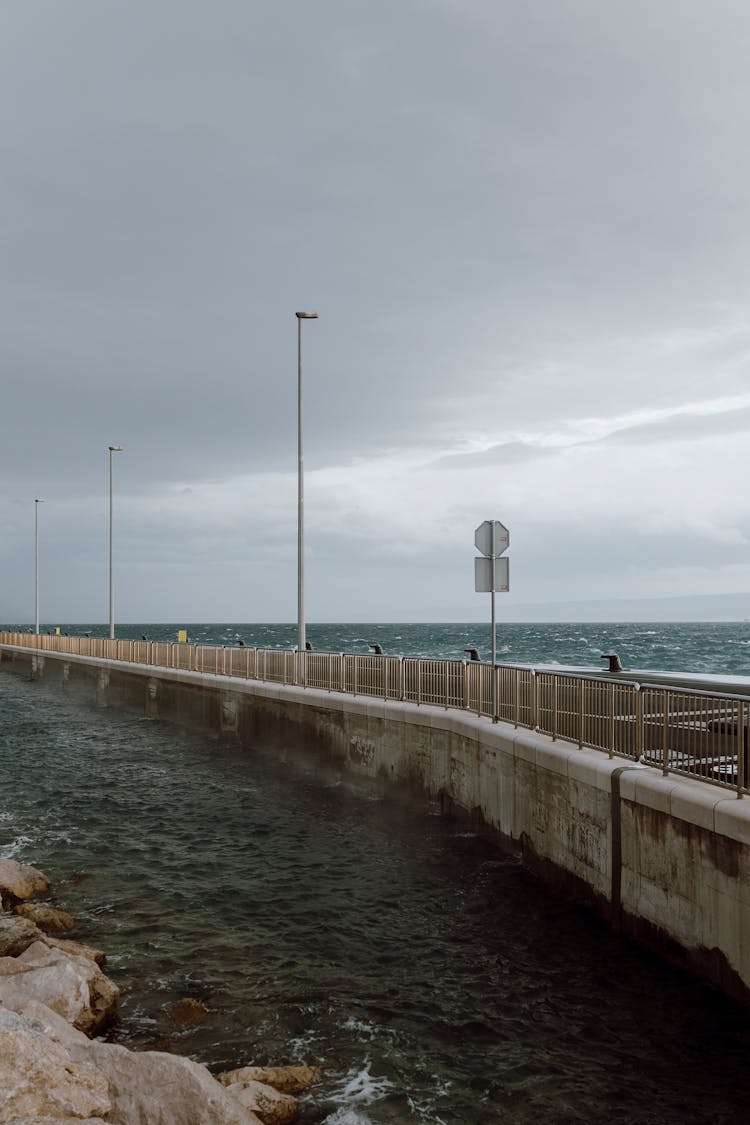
column 483, row 576
column 483, row 538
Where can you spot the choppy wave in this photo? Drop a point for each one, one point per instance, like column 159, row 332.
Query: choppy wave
column 718, row 648
column 14, row 849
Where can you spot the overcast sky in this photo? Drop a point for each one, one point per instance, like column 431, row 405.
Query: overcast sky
column 525, row 227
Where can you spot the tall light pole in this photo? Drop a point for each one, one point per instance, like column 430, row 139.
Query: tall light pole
column 300, row 489
column 36, row 566
column 112, row 449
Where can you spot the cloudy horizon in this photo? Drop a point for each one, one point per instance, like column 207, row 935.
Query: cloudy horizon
column 525, row 229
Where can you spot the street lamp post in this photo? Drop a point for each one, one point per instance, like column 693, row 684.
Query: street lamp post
column 36, row 566
column 300, row 489
column 112, row 449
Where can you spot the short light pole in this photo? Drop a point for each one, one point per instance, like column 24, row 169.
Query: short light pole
column 301, row 489
column 36, row 565
column 112, row 449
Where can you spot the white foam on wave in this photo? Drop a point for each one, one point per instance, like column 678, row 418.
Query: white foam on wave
column 363, row 1027
column 359, row 1087
column 15, row 847
column 301, row 1046
column 346, row 1116
column 57, row 838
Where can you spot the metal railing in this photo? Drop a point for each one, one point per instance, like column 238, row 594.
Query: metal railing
column 697, row 733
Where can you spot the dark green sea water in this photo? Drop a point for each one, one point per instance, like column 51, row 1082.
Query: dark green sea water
column 322, row 921
column 722, row 648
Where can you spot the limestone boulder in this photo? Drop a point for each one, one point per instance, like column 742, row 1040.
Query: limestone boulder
column 271, row 1106
column 38, row 1078
column 53, row 1025
column 20, row 881
column 47, row 918
column 287, row 1079
column 16, row 934
column 76, row 947
column 71, row 985
column 151, row 1088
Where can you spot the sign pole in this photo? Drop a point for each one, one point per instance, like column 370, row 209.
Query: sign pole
column 487, row 575
column 494, row 632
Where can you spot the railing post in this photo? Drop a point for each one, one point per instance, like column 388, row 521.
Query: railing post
column 554, row 709
column 516, row 697
column 611, row 723
column 533, row 701
column 401, row 679
column 742, row 732
column 495, row 685
column 664, row 734
column 580, row 695
column 466, row 686
column 638, row 723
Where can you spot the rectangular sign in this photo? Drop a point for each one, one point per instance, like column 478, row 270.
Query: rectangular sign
column 483, row 576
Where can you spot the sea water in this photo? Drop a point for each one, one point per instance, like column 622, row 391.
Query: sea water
column 320, row 921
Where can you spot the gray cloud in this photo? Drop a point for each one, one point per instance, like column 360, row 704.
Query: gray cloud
column 508, row 216
column 681, row 428
column 506, row 453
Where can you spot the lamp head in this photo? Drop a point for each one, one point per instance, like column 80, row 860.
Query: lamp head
column 306, row 315
column 38, row 501
column 115, row 449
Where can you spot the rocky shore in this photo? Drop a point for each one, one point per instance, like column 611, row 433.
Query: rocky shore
column 54, row 998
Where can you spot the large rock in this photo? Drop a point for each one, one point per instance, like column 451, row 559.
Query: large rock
column 39, row 1078
column 271, row 1106
column 287, row 1079
column 53, row 1025
column 71, row 985
column 150, row 1088
column 186, row 1012
column 16, row 934
column 47, row 918
column 20, row 881
column 76, row 947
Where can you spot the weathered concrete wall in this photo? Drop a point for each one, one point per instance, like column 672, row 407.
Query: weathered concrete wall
column 666, row 860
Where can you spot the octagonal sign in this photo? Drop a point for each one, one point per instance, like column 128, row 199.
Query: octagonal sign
column 483, row 538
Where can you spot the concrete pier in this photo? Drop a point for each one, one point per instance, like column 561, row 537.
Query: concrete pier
column 665, row 859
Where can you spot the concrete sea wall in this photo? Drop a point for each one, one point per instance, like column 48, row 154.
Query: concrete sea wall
column 665, row 859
